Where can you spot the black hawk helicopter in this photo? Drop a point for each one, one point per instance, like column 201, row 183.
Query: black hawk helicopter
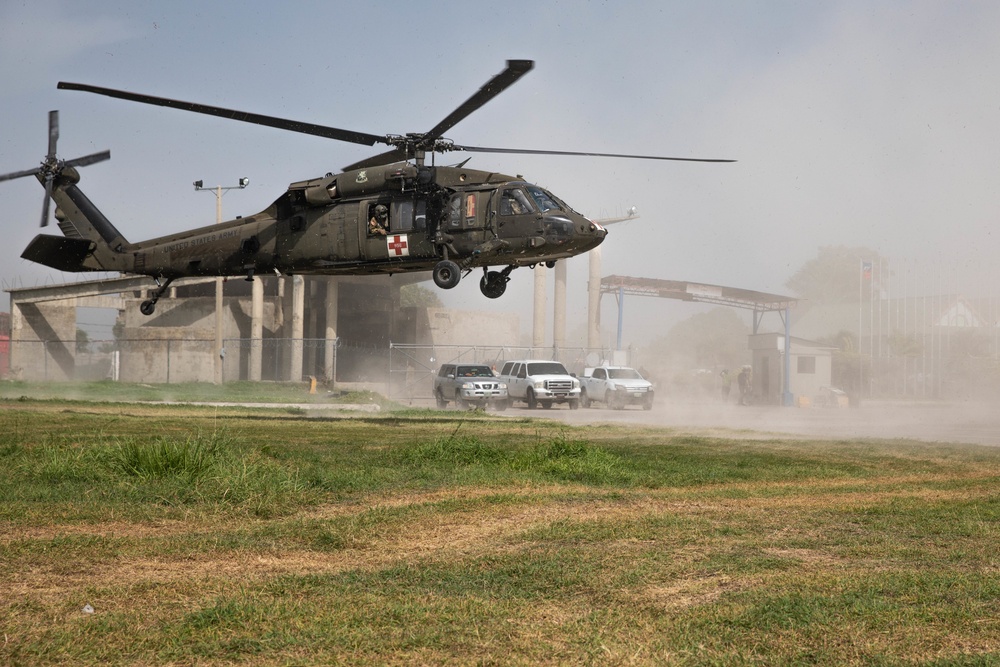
column 390, row 213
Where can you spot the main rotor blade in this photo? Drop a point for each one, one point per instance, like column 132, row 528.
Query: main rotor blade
column 45, row 202
column 528, row 151
column 515, row 70
column 233, row 114
column 88, row 159
column 20, row 174
column 395, row 155
column 53, row 133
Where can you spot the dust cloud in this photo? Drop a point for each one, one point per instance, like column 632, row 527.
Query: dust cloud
column 967, row 422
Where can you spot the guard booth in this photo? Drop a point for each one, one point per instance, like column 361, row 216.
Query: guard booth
column 809, row 371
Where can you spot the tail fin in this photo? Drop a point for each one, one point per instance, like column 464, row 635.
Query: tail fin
column 63, row 254
column 90, row 243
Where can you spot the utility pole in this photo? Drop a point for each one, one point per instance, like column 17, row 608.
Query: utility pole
column 218, row 191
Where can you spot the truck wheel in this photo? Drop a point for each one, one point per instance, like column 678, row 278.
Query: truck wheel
column 584, row 399
column 531, row 400
column 501, row 405
column 441, row 402
column 647, row 404
column 574, row 405
column 547, row 405
column 613, row 401
column 459, row 401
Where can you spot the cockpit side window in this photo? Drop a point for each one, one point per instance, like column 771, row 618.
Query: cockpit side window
column 543, row 199
column 455, row 211
column 513, row 201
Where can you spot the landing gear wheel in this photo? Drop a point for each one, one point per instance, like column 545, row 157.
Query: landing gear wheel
column 147, row 307
column 446, row 274
column 493, row 284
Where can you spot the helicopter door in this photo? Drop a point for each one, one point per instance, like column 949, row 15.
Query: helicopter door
column 517, row 214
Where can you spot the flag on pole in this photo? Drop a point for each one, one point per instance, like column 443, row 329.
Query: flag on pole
column 866, row 270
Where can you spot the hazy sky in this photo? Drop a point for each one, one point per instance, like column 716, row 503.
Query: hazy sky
column 855, row 123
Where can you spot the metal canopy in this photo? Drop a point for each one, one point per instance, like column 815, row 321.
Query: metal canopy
column 702, row 292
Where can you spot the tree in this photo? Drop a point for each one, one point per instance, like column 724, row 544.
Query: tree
column 82, row 340
column 418, row 296
column 713, row 339
column 833, row 276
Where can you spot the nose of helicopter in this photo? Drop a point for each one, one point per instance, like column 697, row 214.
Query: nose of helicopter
column 589, row 234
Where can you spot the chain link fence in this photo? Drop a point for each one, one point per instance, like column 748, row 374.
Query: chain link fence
column 402, row 371
column 168, row 361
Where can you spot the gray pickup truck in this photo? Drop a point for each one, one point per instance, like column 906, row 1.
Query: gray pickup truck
column 469, row 385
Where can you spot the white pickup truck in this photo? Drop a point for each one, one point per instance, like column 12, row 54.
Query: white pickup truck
column 616, row 387
column 536, row 381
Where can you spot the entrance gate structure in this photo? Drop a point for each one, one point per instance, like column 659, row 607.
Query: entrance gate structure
column 759, row 302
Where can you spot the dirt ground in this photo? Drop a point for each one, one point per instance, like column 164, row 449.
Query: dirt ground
column 968, row 422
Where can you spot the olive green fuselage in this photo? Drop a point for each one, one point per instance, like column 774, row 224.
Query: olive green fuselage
column 326, row 226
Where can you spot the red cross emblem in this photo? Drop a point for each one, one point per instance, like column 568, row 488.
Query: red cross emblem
column 398, row 246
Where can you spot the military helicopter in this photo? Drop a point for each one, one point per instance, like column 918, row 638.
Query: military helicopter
column 390, row 213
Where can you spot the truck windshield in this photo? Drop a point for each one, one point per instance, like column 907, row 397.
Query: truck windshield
column 623, row 374
column 474, row 372
column 547, row 368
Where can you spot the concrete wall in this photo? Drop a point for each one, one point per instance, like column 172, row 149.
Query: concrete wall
column 444, row 326
column 175, row 344
column 43, row 341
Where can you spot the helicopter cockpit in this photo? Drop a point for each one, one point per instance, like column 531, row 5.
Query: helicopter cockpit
column 514, row 201
column 545, row 200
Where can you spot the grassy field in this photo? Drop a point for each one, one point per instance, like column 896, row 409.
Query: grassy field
column 229, row 536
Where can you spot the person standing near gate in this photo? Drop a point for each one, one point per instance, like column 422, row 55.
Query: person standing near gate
column 745, row 381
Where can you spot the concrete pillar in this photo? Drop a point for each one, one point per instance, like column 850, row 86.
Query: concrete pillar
column 332, row 298
column 311, row 325
column 538, row 330
column 594, row 301
column 256, row 328
column 559, row 310
column 298, row 306
column 218, row 331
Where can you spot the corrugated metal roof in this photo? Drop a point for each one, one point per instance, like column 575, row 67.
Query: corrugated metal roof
column 699, row 292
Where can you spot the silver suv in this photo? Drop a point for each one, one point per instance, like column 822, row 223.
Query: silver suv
column 537, row 381
column 469, row 384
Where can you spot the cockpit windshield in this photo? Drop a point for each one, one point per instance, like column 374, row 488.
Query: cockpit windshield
column 544, row 200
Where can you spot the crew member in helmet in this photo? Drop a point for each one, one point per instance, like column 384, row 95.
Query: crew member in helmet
column 379, row 222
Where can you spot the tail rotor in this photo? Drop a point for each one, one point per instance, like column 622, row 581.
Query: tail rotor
column 52, row 167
